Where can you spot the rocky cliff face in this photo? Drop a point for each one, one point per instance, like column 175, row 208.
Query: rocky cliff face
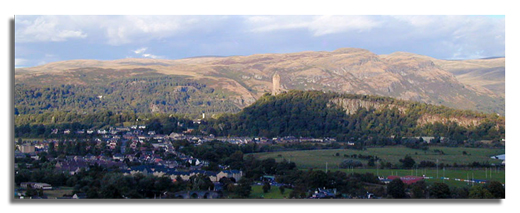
column 351, row 106
column 461, row 121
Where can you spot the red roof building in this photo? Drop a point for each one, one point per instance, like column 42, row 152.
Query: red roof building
column 407, row 179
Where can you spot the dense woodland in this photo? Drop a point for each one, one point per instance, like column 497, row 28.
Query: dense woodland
column 164, row 94
column 310, row 114
column 295, row 113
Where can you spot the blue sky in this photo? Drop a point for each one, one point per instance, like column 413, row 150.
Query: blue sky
column 44, row 39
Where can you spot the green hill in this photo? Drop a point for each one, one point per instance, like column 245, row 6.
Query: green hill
column 346, row 116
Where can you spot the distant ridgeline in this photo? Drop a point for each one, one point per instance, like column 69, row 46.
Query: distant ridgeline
column 138, row 94
column 346, row 116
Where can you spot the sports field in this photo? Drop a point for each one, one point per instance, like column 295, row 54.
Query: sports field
column 306, row 159
column 330, row 160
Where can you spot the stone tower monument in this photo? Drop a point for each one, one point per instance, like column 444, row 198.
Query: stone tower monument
column 276, row 84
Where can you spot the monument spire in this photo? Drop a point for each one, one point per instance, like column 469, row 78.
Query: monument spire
column 276, row 84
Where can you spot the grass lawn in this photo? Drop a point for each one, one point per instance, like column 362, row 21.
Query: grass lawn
column 58, row 192
column 274, row 193
column 319, row 158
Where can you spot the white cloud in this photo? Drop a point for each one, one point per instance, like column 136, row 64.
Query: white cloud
column 115, row 30
column 127, row 29
column 142, row 52
column 19, row 62
column 416, row 21
column 45, row 28
column 338, row 24
column 273, row 23
column 147, row 55
column 139, row 51
column 317, row 25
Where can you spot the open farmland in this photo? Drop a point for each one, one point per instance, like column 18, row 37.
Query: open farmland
column 306, row 159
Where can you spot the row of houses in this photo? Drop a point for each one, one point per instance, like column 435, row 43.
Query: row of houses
column 72, row 167
column 111, row 130
column 184, row 175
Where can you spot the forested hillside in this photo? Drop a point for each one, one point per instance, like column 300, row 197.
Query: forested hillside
column 139, row 94
column 319, row 114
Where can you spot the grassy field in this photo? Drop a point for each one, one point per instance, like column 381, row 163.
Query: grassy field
column 319, row 158
column 58, row 192
column 274, row 193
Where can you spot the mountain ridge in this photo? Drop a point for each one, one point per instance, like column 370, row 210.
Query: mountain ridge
column 401, row 75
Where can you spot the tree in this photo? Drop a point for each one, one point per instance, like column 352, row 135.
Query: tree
column 317, row 179
column 243, row 189
column 266, row 187
column 212, row 166
column 460, row 192
column 298, row 191
column 371, row 162
column 52, row 150
column 350, row 163
column 496, row 188
column 396, row 188
column 418, row 190
column 201, row 182
column 282, row 189
column 440, row 191
column 33, row 192
column 408, row 161
column 479, row 192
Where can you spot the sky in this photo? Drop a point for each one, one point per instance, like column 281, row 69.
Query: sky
column 43, row 39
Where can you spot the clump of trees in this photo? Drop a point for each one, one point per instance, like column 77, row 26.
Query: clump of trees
column 407, row 161
column 349, row 163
